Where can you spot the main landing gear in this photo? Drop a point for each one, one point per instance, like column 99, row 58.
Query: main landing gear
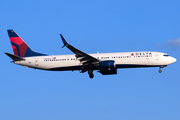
column 90, row 72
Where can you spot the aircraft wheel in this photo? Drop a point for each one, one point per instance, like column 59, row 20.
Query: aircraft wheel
column 91, row 76
column 90, row 72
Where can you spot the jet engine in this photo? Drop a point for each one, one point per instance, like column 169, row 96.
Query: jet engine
column 107, row 65
column 108, row 72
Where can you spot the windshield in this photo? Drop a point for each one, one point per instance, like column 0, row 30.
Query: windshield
column 165, row 55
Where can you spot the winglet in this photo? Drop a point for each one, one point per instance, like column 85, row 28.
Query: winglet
column 64, row 41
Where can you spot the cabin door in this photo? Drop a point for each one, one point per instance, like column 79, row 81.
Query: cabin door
column 157, row 56
column 36, row 62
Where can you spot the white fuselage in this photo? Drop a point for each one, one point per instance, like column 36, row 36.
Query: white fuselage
column 122, row 60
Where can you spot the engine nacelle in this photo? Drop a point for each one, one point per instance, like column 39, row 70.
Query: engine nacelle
column 107, row 65
column 108, row 72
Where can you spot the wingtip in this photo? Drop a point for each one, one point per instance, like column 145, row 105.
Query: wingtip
column 64, row 41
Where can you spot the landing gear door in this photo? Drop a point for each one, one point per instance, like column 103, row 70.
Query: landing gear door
column 157, row 56
column 36, row 62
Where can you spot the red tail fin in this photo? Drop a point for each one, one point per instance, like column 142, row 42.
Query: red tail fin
column 20, row 48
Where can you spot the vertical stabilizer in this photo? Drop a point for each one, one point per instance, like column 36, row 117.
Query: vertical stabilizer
column 20, row 48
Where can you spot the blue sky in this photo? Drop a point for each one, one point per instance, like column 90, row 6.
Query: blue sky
column 91, row 26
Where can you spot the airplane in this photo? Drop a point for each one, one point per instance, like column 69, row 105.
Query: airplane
column 105, row 63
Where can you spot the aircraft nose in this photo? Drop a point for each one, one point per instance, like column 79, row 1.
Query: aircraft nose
column 173, row 60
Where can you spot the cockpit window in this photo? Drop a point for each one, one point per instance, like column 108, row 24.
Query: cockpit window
column 166, row 55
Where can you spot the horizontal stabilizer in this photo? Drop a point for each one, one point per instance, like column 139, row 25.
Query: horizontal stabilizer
column 13, row 57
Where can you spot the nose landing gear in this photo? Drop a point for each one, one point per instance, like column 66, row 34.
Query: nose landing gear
column 163, row 66
column 160, row 70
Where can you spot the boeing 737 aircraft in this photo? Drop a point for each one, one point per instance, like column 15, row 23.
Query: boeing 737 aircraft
column 105, row 63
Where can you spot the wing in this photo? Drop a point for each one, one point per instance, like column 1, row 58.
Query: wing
column 81, row 56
